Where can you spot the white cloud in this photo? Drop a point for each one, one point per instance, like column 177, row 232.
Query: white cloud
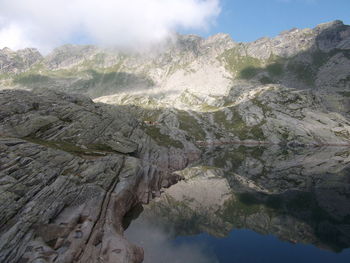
column 48, row 23
column 11, row 36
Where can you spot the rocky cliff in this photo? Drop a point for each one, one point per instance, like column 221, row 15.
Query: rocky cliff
column 70, row 170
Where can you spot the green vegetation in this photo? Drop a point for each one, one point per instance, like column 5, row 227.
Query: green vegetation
column 266, row 80
column 4, row 75
column 237, row 126
column 346, row 53
column 185, row 219
column 285, row 136
column 206, row 107
column 89, row 76
column 319, row 58
column 275, row 69
column 344, row 93
column 248, row 72
column 256, row 152
column 306, row 72
column 303, row 72
column 306, row 201
column 160, row 138
column 189, row 98
column 175, row 67
column 105, row 83
column 189, row 124
column 257, row 132
column 147, row 110
column 244, row 204
column 261, row 105
column 31, row 79
column 248, row 67
column 245, row 66
column 92, row 149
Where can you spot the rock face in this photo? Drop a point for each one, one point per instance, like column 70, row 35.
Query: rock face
column 70, row 170
column 17, row 62
column 261, row 113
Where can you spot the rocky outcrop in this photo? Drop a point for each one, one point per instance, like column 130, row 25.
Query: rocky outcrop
column 250, row 113
column 17, row 62
column 70, row 170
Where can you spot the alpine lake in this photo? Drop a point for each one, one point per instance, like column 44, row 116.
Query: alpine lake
column 251, row 204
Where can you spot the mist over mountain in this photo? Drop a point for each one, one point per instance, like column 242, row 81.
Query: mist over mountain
column 131, row 25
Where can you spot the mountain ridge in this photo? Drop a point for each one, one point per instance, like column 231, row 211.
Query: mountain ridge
column 213, row 79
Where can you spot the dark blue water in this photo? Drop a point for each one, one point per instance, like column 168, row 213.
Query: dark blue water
column 250, row 247
column 252, row 205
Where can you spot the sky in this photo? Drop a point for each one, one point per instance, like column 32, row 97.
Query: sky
column 133, row 24
column 248, row 20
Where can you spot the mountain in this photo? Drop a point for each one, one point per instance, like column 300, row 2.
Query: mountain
column 87, row 133
column 294, row 87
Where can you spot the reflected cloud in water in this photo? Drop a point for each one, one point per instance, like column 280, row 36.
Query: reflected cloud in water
column 159, row 247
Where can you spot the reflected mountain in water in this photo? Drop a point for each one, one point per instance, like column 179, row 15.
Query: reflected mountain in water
column 298, row 195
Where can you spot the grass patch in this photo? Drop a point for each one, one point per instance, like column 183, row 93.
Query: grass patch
column 257, row 132
column 319, row 58
column 207, row 107
column 262, row 106
column 248, row 72
column 31, row 79
column 244, row 66
column 244, row 205
column 275, row 69
column 189, row 124
column 162, row 139
column 344, row 93
column 303, row 72
column 92, row 149
column 237, row 126
column 266, row 80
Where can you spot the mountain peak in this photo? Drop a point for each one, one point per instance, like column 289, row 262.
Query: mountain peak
column 331, row 24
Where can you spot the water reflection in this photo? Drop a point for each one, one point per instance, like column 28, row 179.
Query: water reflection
column 158, row 242
column 301, row 196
